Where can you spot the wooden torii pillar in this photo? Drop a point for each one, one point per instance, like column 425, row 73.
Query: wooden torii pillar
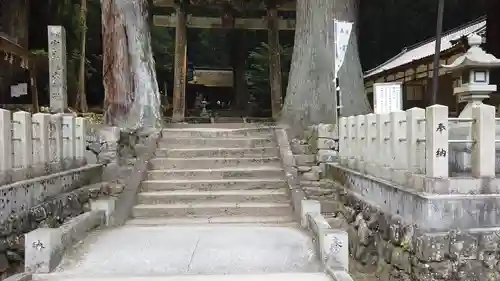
column 274, row 58
column 180, row 64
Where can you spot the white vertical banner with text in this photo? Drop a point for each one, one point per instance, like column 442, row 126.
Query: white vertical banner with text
column 343, row 31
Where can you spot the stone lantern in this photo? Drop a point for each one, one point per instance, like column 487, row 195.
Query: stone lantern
column 472, row 85
column 472, row 75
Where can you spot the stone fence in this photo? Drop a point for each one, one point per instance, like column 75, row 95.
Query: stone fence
column 39, row 144
column 417, row 141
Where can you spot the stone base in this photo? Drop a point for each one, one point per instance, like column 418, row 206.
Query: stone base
column 45, row 247
column 427, row 210
column 402, row 250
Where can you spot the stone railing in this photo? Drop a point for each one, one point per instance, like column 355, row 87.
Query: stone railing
column 416, row 141
column 39, row 144
column 405, row 208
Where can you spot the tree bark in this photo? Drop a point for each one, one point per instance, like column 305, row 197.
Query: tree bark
column 310, row 92
column 354, row 99
column 132, row 98
column 310, row 95
column 81, row 96
column 273, row 36
column 180, row 68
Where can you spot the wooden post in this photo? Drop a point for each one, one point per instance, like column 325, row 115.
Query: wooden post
column 274, row 59
column 180, row 68
column 33, row 86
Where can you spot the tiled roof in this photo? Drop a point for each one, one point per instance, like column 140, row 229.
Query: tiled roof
column 426, row 48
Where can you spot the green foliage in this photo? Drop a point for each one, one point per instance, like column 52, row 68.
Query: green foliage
column 163, row 45
column 257, row 74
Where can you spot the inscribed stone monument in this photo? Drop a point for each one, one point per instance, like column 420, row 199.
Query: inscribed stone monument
column 57, row 69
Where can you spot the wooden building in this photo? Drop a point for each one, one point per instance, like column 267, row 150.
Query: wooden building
column 20, row 63
column 183, row 14
column 413, row 67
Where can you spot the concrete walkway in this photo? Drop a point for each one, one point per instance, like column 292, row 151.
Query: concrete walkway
column 135, row 251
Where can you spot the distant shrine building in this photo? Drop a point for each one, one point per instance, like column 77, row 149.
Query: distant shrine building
column 413, row 67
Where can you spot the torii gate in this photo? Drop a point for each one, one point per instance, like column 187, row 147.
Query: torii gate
column 182, row 19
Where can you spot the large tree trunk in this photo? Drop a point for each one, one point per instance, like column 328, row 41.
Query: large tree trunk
column 132, row 98
column 310, row 95
column 354, row 99
column 82, row 97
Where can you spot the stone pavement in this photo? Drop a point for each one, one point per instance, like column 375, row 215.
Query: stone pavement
column 186, row 250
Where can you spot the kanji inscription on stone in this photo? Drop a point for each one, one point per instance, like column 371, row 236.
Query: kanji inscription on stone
column 57, row 69
column 440, row 128
column 441, row 152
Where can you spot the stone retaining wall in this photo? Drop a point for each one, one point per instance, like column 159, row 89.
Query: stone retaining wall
column 43, row 202
column 401, row 250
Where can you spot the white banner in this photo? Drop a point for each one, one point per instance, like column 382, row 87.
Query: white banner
column 343, row 31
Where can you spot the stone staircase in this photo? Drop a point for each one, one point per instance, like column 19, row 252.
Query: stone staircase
column 218, row 176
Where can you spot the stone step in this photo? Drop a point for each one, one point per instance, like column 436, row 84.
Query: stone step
column 226, row 184
column 293, row 276
column 194, row 142
column 211, row 209
column 198, row 196
column 264, row 132
column 214, row 163
column 214, row 174
column 246, row 220
column 218, row 152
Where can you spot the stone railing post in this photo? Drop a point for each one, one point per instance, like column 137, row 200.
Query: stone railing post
column 69, row 139
column 398, row 140
column 484, row 149
column 436, row 140
column 343, row 141
column 415, row 140
column 41, row 139
column 351, row 122
column 22, row 139
column 56, row 139
column 371, row 142
column 80, row 134
column 360, row 142
column 367, row 142
column 6, row 162
column 383, row 152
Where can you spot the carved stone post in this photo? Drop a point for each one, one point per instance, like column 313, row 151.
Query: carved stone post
column 57, row 69
column 274, row 59
column 180, row 67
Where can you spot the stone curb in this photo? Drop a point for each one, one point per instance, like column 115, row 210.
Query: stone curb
column 331, row 244
column 45, row 247
column 19, row 277
column 127, row 199
column 288, row 163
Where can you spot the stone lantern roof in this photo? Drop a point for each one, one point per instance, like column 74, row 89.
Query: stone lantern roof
column 475, row 57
